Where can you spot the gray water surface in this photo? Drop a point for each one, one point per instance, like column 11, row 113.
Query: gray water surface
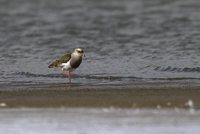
column 98, row 121
column 124, row 41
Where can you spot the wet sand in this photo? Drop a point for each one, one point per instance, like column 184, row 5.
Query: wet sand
column 123, row 96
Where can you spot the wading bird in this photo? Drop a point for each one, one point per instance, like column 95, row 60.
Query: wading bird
column 69, row 62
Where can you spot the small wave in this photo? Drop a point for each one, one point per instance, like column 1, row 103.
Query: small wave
column 103, row 77
column 176, row 69
column 27, row 74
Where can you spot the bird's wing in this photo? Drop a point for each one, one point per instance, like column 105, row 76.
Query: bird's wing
column 64, row 59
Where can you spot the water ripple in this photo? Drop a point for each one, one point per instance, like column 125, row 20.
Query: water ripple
column 101, row 77
column 176, row 69
column 123, row 40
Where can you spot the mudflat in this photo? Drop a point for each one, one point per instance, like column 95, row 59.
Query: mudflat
column 157, row 95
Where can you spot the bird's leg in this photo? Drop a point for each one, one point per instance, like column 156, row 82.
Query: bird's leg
column 69, row 76
column 63, row 72
column 68, row 73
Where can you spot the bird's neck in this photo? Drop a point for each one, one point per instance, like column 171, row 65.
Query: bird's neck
column 75, row 61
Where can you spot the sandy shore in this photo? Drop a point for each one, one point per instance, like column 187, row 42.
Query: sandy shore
column 124, row 96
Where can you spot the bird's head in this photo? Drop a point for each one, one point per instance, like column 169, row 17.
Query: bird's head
column 79, row 52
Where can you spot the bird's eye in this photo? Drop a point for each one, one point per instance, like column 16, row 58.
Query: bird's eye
column 79, row 51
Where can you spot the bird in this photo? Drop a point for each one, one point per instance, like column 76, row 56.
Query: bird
column 69, row 62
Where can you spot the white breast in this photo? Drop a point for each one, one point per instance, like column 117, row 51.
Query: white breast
column 67, row 66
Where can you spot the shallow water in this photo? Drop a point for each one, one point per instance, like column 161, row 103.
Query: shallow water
column 98, row 121
column 124, row 41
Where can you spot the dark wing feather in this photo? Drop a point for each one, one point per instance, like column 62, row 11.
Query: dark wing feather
column 64, row 59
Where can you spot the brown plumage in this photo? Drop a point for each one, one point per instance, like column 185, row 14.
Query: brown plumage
column 64, row 59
